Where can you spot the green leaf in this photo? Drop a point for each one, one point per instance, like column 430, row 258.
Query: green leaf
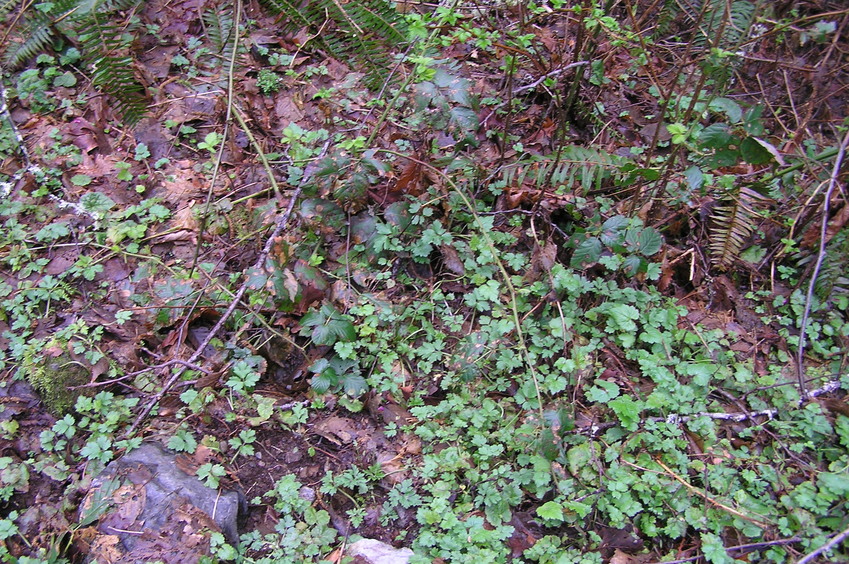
column 603, row 391
column 66, row 79
column 715, row 136
column 81, row 180
column 587, row 253
column 321, row 383
column 695, row 177
column 644, row 241
column 551, row 510
column 334, row 330
column 95, row 202
column 355, row 385
column 627, row 410
column 633, row 264
column 729, row 107
column 754, row 152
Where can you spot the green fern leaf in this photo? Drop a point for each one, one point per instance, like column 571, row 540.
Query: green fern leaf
column 364, row 31
column 106, row 50
column 219, row 28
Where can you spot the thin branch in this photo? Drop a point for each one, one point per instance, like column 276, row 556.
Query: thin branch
column 259, row 264
column 837, row 539
column 547, row 75
column 709, row 499
column 739, row 548
column 832, row 184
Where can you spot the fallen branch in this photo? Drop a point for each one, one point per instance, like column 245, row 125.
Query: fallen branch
column 809, row 297
column 739, row 548
column 709, row 499
column 675, row 419
column 213, row 333
column 835, row 540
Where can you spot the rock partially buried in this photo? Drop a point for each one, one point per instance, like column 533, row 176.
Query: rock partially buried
column 147, row 509
column 369, row 551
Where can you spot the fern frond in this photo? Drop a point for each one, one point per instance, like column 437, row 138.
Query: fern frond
column 106, row 49
column 732, row 225
column 713, row 22
column 6, row 7
column 38, row 37
column 364, row 31
column 577, row 167
column 219, row 28
column 291, row 10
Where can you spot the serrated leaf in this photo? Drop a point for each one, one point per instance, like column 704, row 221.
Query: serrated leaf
column 587, row 253
column 256, row 278
column 644, row 241
column 695, row 177
column 715, row 136
column 603, row 391
column 322, row 382
column 355, row 385
column 627, row 410
column 334, row 330
column 81, row 180
column 615, row 223
column 726, row 157
column 551, row 510
column 633, row 264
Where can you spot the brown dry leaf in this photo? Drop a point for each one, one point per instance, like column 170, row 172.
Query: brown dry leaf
column 410, row 179
column 97, row 167
column 451, row 260
column 620, row 557
column 812, row 235
column 393, row 466
column 184, row 218
column 106, row 549
column 337, row 430
column 182, row 184
column 287, row 110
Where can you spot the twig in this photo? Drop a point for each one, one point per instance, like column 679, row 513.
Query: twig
column 738, row 548
column 832, row 184
column 260, row 263
column 675, row 419
column 709, row 499
column 29, row 166
column 837, row 539
column 555, row 72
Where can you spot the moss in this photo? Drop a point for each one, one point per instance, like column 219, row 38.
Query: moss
column 54, row 379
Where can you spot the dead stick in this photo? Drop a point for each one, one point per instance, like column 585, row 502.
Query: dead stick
column 260, row 263
column 836, row 540
column 709, row 499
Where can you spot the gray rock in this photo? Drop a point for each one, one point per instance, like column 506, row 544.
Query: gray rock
column 375, row 552
column 156, row 509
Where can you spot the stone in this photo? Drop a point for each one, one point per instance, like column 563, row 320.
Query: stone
column 151, row 510
column 370, row 551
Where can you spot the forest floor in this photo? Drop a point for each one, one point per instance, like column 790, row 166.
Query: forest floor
column 532, row 291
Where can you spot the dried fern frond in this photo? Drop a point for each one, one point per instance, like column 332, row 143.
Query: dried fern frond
column 732, row 225
column 576, row 166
